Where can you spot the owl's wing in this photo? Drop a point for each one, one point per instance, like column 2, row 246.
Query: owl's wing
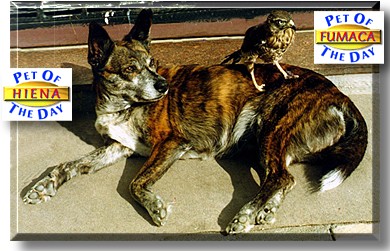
column 255, row 37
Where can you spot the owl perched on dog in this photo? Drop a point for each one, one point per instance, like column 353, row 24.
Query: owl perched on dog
column 267, row 41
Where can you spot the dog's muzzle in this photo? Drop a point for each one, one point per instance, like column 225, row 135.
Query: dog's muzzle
column 161, row 86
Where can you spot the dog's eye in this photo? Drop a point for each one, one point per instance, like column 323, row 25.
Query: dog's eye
column 130, row 68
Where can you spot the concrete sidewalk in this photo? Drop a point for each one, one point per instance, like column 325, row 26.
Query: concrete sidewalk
column 205, row 194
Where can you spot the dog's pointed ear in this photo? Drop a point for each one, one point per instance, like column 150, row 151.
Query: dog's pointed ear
column 100, row 46
column 141, row 28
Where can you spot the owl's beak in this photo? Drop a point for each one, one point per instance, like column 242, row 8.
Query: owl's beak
column 292, row 24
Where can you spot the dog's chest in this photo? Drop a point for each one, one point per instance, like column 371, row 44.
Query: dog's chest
column 123, row 130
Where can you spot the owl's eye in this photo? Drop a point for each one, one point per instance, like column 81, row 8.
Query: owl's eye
column 280, row 22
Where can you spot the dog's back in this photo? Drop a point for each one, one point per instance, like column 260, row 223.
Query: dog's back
column 304, row 120
column 212, row 107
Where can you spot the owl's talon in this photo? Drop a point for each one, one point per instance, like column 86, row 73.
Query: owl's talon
column 291, row 76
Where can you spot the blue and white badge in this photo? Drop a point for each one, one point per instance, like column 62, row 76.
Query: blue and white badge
column 37, row 94
column 349, row 37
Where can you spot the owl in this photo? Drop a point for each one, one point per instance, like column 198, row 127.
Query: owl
column 267, row 41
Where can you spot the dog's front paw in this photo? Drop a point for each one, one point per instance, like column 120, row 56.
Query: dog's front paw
column 42, row 191
column 158, row 210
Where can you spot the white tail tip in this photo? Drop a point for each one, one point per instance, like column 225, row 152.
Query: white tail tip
column 331, row 180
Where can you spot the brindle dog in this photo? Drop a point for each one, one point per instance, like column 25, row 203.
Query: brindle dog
column 197, row 111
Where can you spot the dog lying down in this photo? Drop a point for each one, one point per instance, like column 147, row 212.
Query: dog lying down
column 197, row 111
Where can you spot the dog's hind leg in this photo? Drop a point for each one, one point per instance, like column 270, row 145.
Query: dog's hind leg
column 47, row 187
column 262, row 208
column 164, row 154
column 277, row 183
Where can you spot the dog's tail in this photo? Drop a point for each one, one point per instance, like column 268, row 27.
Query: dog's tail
column 235, row 57
column 343, row 157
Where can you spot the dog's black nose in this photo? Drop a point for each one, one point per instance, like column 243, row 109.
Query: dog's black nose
column 161, row 86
